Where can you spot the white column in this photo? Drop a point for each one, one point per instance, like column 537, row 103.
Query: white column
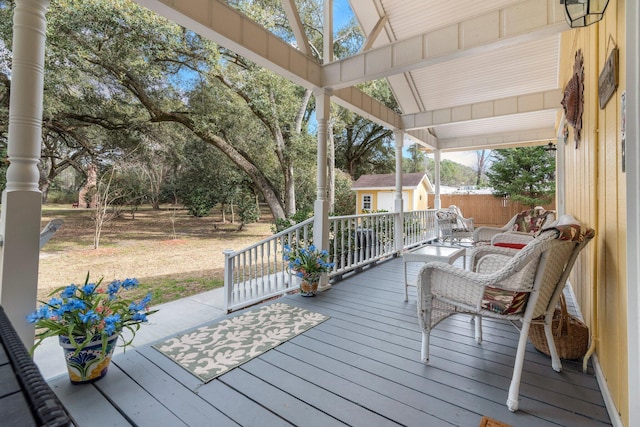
column 21, row 200
column 398, row 205
column 632, row 169
column 437, row 204
column 561, row 206
column 321, row 205
column 327, row 45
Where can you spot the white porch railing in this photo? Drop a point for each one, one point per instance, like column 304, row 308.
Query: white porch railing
column 257, row 273
column 358, row 240
column 419, row 227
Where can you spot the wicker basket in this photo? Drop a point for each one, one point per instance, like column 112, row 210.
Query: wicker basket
column 570, row 334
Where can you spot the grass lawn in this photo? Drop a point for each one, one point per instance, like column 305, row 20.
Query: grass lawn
column 172, row 254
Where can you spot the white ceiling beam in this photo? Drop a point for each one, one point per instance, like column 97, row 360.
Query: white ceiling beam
column 423, row 138
column 538, row 101
column 501, row 140
column 375, row 32
column 217, row 21
column 527, row 20
column 296, row 26
column 368, row 107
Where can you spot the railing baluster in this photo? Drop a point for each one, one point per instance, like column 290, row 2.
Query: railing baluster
column 260, row 272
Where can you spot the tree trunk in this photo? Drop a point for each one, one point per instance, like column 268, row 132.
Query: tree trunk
column 289, row 191
column 44, row 188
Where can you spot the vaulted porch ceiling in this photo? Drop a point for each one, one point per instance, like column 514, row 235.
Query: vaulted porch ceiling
column 466, row 74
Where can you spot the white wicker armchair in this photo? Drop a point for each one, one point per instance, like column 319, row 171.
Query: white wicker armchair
column 526, row 222
column 538, row 272
column 452, row 225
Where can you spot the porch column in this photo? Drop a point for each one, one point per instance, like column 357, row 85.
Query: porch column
column 437, row 204
column 398, row 205
column 561, row 206
column 321, row 205
column 327, row 37
column 632, row 168
column 21, row 200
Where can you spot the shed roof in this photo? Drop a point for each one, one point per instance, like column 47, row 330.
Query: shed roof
column 409, row 180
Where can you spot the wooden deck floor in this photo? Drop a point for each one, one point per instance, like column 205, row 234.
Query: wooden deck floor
column 361, row 367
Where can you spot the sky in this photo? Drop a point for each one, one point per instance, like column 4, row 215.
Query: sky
column 467, row 158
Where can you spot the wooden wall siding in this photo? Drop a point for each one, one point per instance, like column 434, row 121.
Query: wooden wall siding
column 596, row 195
column 485, row 209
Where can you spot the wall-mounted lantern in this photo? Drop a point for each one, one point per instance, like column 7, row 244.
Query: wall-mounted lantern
column 550, row 148
column 582, row 13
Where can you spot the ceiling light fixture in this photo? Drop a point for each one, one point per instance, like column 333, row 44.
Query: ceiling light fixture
column 582, row 13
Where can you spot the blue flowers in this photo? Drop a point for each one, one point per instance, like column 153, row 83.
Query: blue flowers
column 90, row 311
column 307, row 260
column 69, row 291
column 89, row 317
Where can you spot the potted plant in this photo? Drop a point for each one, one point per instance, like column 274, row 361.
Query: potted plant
column 88, row 320
column 308, row 263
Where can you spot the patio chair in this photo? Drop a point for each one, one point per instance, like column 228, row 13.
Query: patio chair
column 529, row 221
column 506, row 284
column 452, row 225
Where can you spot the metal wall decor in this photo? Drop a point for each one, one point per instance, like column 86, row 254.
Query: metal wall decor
column 573, row 99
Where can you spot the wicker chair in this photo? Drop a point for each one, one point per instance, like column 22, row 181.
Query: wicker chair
column 529, row 282
column 526, row 222
column 452, row 225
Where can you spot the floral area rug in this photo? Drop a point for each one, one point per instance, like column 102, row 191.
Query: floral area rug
column 212, row 350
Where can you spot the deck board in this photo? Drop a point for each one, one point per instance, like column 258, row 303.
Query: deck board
column 192, row 410
column 360, row 367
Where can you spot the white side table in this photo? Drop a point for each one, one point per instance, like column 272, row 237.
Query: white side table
column 424, row 254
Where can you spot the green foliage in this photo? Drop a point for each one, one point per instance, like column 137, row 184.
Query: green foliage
column 248, row 209
column 416, row 161
column 206, row 180
column 3, row 167
column 452, row 174
column 345, row 197
column 62, row 196
column 363, row 147
column 281, row 224
column 526, row 175
column 198, row 202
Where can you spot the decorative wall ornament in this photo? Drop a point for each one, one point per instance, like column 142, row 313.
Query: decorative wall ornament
column 573, row 99
column 565, row 131
column 608, row 79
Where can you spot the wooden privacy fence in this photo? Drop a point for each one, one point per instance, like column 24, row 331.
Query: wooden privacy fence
column 485, row 209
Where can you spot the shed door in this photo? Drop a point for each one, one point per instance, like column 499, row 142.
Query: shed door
column 385, row 201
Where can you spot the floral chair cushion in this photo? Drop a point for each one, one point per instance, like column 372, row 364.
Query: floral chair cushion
column 530, row 221
column 503, row 301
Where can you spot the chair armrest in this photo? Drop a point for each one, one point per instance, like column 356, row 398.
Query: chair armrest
column 479, row 252
column 485, row 233
column 467, row 223
column 451, row 283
